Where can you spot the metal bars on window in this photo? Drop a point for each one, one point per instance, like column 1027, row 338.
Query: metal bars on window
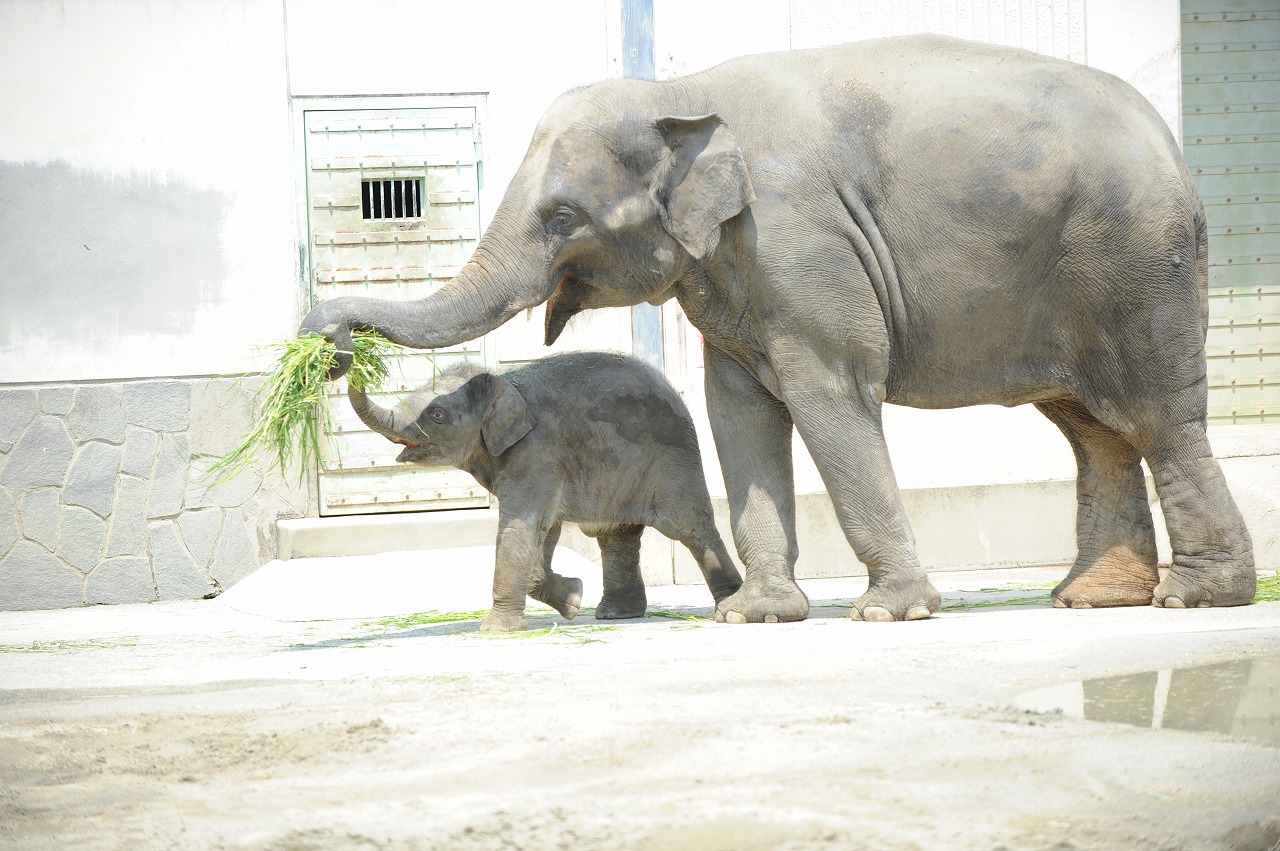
column 391, row 199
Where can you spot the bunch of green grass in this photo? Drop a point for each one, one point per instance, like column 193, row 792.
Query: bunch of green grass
column 286, row 406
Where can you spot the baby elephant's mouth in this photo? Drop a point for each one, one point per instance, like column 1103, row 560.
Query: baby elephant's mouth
column 410, row 447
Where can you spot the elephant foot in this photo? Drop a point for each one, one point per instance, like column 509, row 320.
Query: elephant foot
column 764, row 600
column 899, row 601
column 1107, row 583
column 1205, row 588
column 504, row 622
column 621, row 608
column 564, row 595
column 724, row 586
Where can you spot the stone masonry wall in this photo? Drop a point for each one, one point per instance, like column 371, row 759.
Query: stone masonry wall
column 103, row 497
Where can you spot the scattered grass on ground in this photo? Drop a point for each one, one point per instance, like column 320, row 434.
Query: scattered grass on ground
column 286, row 406
column 433, row 616
column 680, row 616
column 1022, row 586
column 1039, row 599
column 580, row 634
column 64, row 646
column 1268, row 589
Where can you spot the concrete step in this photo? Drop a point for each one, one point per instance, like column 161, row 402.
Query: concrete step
column 371, row 534
column 956, row 528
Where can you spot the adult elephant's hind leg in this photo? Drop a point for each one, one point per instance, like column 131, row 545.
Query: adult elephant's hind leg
column 1212, row 549
column 1115, row 540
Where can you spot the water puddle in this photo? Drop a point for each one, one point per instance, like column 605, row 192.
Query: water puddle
column 1240, row 698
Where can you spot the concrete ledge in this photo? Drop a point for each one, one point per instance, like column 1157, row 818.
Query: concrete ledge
column 369, row 534
column 957, row 528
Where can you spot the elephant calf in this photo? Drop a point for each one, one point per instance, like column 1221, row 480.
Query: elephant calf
column 597, row 439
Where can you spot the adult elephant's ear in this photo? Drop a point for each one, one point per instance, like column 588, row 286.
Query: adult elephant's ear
column 706, row 183
column 506, row 417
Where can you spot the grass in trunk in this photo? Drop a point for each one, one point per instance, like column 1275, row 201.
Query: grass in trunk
column 287, row 405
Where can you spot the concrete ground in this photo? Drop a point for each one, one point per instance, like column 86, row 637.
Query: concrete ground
column 336, row 718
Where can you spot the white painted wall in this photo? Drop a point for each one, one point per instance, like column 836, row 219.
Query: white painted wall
column 1140, row 41
column 133, row 96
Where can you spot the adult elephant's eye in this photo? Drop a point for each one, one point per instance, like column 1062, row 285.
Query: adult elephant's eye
column 561, row 219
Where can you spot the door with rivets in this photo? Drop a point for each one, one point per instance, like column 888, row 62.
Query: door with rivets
column 392, row 213
column 1231, row 139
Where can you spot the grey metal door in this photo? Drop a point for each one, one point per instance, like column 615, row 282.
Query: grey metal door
column 392, row 213
column 1231, row 139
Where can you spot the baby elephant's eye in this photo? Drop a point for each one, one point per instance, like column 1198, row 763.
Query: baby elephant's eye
column 437, row 415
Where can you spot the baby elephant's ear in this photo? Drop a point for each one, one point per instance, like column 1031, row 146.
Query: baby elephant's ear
column 507, row 418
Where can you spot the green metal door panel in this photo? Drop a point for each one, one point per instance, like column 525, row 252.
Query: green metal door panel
column 1212, row 150
column 1216, row 9
column 1246, row 271
column 1211, row 91
column 1231, row 140
column 1230, row 119
column 1238, row 28
column 1235, row 211
column 1222, row 59
column 1241, row 243
column 1236, row 181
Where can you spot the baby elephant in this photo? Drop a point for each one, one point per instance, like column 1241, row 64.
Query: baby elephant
column 596, row 439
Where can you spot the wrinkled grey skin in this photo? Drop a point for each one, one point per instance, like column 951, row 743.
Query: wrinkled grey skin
column 596, row 439
column 922, row 221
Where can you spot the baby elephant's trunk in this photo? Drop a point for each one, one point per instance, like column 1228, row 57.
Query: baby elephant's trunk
column 388, row 423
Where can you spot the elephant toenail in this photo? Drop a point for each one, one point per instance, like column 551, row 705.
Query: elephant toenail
column 877, row 614
column 1081, row 604
column 735, row 617
column 770, row 618
column 855, row 615
column 916, row 613
column 1204, row 604
column 1174, row 603
column 1058, row 603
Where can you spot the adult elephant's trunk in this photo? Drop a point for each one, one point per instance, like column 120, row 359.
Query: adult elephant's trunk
column 391, row 423
column 505, row 275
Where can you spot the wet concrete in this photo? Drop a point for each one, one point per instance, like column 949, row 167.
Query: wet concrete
column 1238, row 698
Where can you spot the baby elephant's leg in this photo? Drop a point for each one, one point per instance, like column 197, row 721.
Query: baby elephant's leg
column 562, row 593
column 624, row 595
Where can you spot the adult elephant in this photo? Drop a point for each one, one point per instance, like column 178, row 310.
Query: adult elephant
column 924, row 221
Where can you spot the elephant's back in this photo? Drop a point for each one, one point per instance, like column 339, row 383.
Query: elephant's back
column 605, row 396
column 889, row 96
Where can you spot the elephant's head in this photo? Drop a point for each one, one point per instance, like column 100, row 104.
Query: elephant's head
column 450, row 421
column 614, row 200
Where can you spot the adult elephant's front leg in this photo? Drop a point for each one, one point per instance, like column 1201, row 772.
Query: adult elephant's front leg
column 752, row 431
column 838, row 416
